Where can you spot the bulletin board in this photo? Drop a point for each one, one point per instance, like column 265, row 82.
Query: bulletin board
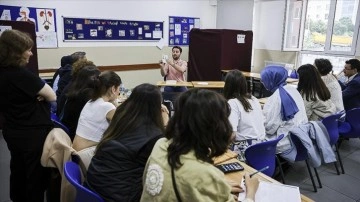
column 90, row 29
column 179, row 28
column 43, row 18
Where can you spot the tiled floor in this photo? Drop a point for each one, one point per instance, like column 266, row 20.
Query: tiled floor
column 336, row 188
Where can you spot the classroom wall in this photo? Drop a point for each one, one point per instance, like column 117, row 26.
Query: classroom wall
column 120, row 53
column 233, row 14
column 268, row 28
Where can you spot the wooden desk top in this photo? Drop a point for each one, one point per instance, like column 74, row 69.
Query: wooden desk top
column 47, row 75
column 257, row 76
column 208, row 84
column 178, row 83
column 237, row 176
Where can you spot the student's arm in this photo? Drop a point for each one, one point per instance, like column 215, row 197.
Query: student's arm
column 110, row 115
column 352, row 89
column 47, row 93
column 181, row 68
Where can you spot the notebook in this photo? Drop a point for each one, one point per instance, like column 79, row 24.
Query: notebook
column 270, row 192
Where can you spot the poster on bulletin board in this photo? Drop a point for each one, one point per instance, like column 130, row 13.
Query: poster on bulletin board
column 179, row 28
column 43, row 18
column 89, row 29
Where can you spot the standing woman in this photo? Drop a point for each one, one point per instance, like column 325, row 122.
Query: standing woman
column 24, row 102
column 325, row 69
column 96, row 115
column 116, row 170
column 315, row 93
column 246, row 115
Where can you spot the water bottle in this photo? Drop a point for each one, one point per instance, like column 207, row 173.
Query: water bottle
column 128, row 93
column 122, row 89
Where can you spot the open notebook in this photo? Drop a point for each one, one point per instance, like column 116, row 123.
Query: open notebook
column 270, row 192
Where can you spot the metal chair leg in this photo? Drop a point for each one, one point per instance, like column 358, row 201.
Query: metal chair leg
column 311, row 176
column 281, row 170
column 318, row 178
column 339, row 157
column 337, row 169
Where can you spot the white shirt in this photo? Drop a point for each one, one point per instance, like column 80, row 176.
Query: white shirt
column 274, row 125
column 92, row 121
column 335, row 90
column 247, row 125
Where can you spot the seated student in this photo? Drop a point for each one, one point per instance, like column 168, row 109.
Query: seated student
column 246, row 115
column 76, row 67
column 96, row 115
column 80, row 92
column 65, row 72
column 180, row 167
column 116, row 170
column 284, row 109
column 65, row 60
column 316, row 95
column 324, row 67
column 351, row 87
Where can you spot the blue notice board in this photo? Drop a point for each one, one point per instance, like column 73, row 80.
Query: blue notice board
column 179, row 28
column 43, row 18
column 89, row 29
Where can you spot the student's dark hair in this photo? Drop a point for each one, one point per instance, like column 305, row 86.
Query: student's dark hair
column 77, row 56
column 324, row 66
column 66, row 60
column 85, row 80
column 105, row 81
column 178, row 47
column 236, row 87
column 354, row 63
column 142, row 107
column 13, row 44
column 200, row 123
column 311, row 85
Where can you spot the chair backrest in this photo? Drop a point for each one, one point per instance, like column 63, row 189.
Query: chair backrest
column 73, row 175
column 301, row 151
column 263, row 154
column 353, row 118
column 58, row 124
column 331, row 125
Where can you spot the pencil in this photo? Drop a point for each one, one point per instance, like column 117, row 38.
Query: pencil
column 262, row 169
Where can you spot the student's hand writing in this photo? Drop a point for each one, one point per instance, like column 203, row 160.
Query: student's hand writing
column 252, row 185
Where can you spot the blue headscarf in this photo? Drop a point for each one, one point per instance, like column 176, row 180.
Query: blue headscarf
column 273, row 78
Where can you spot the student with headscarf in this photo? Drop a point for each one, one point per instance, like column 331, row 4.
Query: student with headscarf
column 284, row 109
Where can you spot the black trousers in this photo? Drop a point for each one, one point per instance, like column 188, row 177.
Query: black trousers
column 28, row 179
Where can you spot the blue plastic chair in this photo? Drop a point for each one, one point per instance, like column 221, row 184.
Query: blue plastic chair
column 331, row 124
column 351, row 127
column 302, row 155
column 263, row 154
column 73, row 175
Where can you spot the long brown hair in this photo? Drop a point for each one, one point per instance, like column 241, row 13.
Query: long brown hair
column 236, row 87
column 13, row 44
column 142, row 107
column 311, row 85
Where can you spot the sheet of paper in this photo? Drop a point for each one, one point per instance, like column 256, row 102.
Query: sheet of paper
column 177, row 29
column 241, row 38
column 157, row 34
column 270, row 192
column 197, row 23
column 161, row 44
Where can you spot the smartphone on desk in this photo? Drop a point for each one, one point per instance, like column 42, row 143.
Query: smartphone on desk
column 230, row 167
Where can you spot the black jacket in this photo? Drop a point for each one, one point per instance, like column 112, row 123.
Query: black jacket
column 116, row 170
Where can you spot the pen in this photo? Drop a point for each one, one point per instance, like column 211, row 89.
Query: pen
column 262, row 169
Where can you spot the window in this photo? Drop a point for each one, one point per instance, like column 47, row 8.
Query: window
column 328, row 29
column 292, row 35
